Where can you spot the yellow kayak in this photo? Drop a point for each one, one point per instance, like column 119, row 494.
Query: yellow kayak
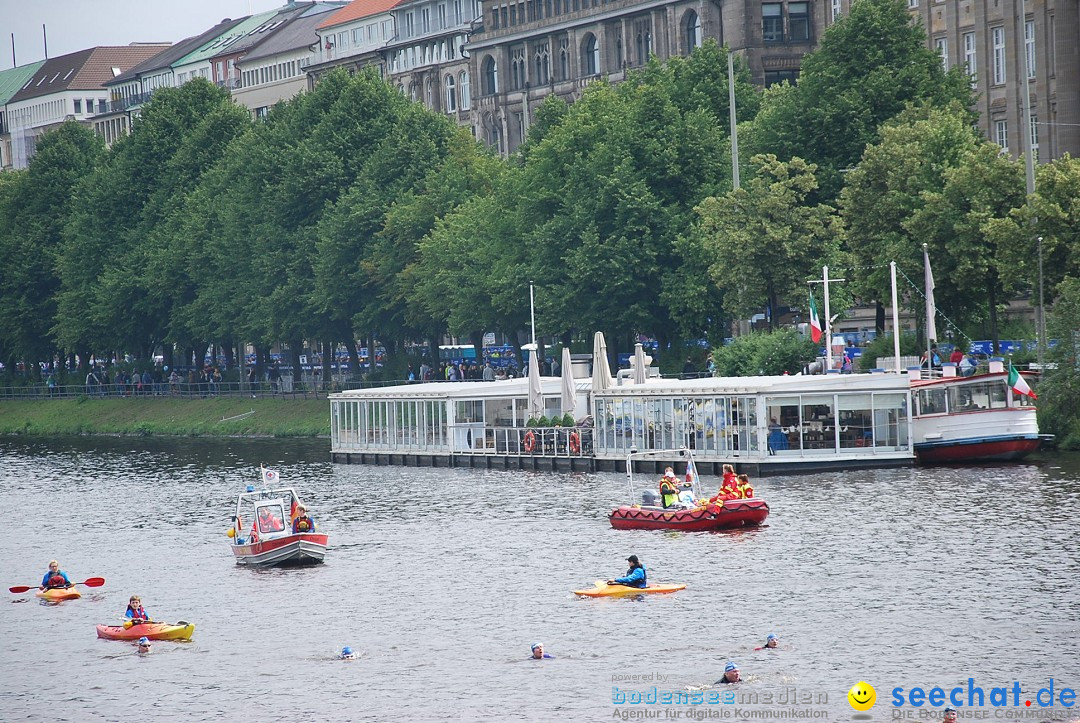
column 602, row 589
column 57, row 594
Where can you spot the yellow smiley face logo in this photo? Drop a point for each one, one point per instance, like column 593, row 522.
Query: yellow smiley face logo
column 862, row 696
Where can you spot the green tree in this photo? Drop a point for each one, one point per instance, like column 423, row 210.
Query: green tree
column 767, row 354
column 1060, row 388
column 871, row 64
column 765, row 239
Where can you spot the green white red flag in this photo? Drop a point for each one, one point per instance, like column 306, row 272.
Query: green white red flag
column 1018, row 384
column 815, row 322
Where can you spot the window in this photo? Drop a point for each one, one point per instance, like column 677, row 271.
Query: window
column 425, row 20
column 564, row 59
column 442, row 17
column 912, row 4
column 494, row 18
column 620, row 59
column 642, row 41
column 78, row 106
column 387, row 29
column 1029, row 47
column 489, row 79
column 591, row 51
column 969, row 58
column 343, row 39
column 799, row 22
column 772, row 77
column 693, row 33
column 358, row 37
column 101, row 106
column 466, row 99
column 942, row 45
column 772, row 22
column 458, row 15
column 998, row 38
column 543, row 64
column 409, row 28
column 517, row 68
column 835, row 10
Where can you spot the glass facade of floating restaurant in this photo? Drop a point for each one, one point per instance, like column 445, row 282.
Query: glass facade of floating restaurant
column 724, row 426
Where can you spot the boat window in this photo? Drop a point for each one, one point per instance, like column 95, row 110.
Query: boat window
column 818, row 422
column 932, row 401
column 271, row 519
column 784, row 424
column 890, row 421
column 470, row 410
column 856, row 420
column 998, row 395
column 500, row 412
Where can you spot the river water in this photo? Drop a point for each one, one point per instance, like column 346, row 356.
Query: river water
column 442, row 579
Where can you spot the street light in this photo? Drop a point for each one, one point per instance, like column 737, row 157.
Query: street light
column 1042, row 309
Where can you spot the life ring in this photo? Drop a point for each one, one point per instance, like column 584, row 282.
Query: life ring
column 575, row 443
column 530, row 441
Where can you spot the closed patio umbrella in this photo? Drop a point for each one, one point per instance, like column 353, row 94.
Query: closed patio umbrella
column 601, row 372
column 536, row 391
column 569, row 391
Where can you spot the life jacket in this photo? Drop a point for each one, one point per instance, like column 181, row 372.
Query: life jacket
column 747, row 491
column 302, row 524
column 669, row 492
column 269, row 523
column 644, row 582
column 57, row 581
column 138, row 613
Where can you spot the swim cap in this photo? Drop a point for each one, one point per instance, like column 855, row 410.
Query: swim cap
column 144, row 640
column 536, row 645
column 346, row 650
column 771, row 636
column 730, row 667
column 949, row 709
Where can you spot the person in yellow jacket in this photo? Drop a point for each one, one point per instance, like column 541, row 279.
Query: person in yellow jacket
column 669, row 488
column 745, row 490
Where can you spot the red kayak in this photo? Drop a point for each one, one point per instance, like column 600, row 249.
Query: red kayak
column 154, row 631
column 713, row 516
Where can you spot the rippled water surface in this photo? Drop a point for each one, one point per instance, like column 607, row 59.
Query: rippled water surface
column 442, row 579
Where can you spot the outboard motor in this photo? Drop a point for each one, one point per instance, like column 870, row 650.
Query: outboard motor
column 650, row 498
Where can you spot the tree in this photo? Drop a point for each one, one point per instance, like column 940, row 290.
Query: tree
column 757, row 354
column 871, row 64
column 1058, row 391
column 765, row 240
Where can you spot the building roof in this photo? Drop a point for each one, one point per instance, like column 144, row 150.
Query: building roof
column 235, row 34
column 358, row 9
column 297, row 34
column 178, row 50
column 15, row 78
column 85, row 69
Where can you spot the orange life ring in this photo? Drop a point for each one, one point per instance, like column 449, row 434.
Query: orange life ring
column 575, row 443
column 530, row 441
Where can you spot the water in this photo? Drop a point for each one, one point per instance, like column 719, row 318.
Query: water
column 442, row 579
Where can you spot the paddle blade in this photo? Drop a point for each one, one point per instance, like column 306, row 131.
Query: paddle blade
column 20, row 588
column 92, row 582
column 600, row 583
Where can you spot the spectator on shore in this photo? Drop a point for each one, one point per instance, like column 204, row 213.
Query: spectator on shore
column 489, row 373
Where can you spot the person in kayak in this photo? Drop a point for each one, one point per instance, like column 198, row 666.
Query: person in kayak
column 144, row 645
column 771, row 641
column 669, row 488
column 55, row 577
column 538, row 652
column 635, row 576
column 302, row 523
column 731, row 674
column 135, row 612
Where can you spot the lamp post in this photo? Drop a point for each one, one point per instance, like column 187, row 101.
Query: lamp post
column 532, row 315
column 1041, row 331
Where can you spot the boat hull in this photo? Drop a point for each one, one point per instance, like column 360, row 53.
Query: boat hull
column 1007, row 449
column 605, row 590
column 57, row 594
column 290, row 550
column 732, row 515
column 153, row 631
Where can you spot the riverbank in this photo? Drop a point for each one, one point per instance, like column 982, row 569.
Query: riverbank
column 157, row 416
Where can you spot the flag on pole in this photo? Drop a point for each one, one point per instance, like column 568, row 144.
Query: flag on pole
column 1018, row 384
column 815, row 322
column 691, row 474
column 931, row 307
column 269, row 476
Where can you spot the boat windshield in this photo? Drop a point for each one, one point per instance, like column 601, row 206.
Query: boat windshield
column 271, row 518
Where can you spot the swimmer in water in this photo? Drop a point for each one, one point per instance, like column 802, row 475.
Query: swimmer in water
column 771, row 641
column 731, row 674
column 538, row 652
column 144, row 645
column 347, row 653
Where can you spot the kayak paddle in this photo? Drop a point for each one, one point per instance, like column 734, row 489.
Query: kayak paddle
column 89, row 582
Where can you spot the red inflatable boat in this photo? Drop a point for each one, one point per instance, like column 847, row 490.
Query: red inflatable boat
column 730, row 515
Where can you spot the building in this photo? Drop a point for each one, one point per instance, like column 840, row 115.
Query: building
column 521, row 52
column 70, row 86
column 998, row 47
column 276, row 68
column 353, row 37
column 11, row 81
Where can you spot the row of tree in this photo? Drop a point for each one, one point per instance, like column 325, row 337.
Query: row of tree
column 351, row 213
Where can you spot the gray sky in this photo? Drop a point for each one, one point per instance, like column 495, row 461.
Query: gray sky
column 77, row 24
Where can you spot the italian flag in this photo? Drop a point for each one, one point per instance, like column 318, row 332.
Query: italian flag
column 815, row 322
column 1017, row 383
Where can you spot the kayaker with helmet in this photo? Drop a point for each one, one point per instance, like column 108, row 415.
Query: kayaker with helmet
column 144, row 645
column 669, row 488
column 135, row 612
column 635, row 576
column 731, row 674
column 54, row 577
column 538, row 652
column 771, row 641
column 302, row 523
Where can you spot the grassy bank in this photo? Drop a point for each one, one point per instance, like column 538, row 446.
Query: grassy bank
column 265, row 417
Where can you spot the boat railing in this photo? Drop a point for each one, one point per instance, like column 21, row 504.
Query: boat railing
column 523, row 441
